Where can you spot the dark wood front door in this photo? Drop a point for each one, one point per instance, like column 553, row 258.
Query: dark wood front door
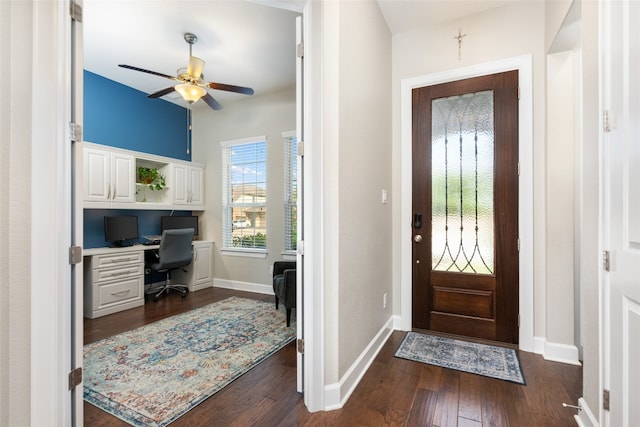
column 465, row 207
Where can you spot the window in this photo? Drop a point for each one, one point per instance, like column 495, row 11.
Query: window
column 244, row 194
column 290, row 191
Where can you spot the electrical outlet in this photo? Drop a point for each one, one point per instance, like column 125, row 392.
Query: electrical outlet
column 384, row 300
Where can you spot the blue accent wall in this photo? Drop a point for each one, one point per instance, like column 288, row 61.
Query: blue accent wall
column 123, row 117
column 148, row 224
column 119, row 116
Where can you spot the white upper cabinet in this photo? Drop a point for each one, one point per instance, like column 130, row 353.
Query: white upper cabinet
column 110, row 181
column 109, row 177
column 187, row 184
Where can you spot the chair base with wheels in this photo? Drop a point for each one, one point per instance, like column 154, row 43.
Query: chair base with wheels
column 167, row 286
column 284, row 285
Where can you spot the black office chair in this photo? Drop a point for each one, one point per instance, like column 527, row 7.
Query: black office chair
column 175, row 252
column 284, row 285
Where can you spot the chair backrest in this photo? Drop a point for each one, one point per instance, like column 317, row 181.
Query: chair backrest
column 175, row 248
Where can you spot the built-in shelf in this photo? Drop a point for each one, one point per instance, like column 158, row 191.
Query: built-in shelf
column 110, row 181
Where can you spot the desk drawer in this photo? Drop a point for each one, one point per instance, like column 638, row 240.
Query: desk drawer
column 118, row 292
column 117, row 259
column 117, row 272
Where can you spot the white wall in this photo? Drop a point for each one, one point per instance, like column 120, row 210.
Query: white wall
column 15, row 205
column 561, row 146
column 356, row 147
column 589, row 257
column 363, row 159
column 270, row 115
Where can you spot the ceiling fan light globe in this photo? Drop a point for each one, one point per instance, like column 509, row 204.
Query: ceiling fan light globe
column 190, row 93
column 195, row 67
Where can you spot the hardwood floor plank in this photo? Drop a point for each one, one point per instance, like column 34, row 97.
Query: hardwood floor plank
column 470, row 403
column 494, row 413
column 514, row 403
column 423, row 408
column 430, row 377
column 466, row 422
column 446, row 414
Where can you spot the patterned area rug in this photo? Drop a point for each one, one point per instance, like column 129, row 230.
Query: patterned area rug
column 154, row 374
column 487, row 360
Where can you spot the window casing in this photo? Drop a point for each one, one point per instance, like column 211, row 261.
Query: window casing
column 290, row 191
column 244, row 194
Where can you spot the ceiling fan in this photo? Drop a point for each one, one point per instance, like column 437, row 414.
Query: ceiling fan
column 191, row 80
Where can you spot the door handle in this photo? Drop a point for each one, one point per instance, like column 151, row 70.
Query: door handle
column 417, row 238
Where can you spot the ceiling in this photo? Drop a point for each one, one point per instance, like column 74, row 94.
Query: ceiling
column 245, row 43
column 407, row 15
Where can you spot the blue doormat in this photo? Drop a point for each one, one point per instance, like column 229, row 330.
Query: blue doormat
column 482, row 359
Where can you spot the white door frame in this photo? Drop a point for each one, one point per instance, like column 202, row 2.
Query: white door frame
column 313, row 302
column 525, row 205
column 51, row 332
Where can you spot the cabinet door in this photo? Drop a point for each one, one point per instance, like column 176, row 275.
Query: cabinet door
column 202, row 264
column 179, row 185
column 108, row 177
column 123, row 178
column 97, row 175
column 196, row 196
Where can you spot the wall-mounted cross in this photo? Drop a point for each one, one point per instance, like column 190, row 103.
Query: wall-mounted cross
column 459, row 37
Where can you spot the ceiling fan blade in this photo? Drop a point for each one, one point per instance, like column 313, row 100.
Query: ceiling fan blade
column 231, row 88
column 212, row 102
column 155, row 73
column 195, row 67
column 162, row 92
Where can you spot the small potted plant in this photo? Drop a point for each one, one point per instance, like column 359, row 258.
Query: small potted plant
column 152, row 178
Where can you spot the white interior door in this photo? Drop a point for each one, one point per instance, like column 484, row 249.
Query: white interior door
column 621, row 175
column 76, row 181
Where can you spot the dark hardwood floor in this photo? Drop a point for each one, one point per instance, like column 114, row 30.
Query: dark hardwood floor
column 393, row 392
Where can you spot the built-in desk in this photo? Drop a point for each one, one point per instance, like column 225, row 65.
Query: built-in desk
column 114, row 277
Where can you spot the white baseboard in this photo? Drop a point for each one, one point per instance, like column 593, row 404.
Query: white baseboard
column 555, row 352
column 562, row 353
column 399, row 324
column 585, row 417
column 243, row 286
column 337, row 394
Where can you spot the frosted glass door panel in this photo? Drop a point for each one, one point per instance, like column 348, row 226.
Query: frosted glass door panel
column 462, row 155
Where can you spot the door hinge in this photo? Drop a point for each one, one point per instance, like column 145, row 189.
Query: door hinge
column 605, row 399
column 75, row 378
column 518, row 93
column 518, row 168
column 300, row 247
column 518, row 244
column 301, row 148
column 606, row 122
column 75, row 10
column 606, row 261
column 300, row 50
column 300, row 344
column 75, row 255
column 76, row 132
column 518, row 320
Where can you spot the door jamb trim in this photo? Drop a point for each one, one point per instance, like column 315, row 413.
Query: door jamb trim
column 524, row 65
